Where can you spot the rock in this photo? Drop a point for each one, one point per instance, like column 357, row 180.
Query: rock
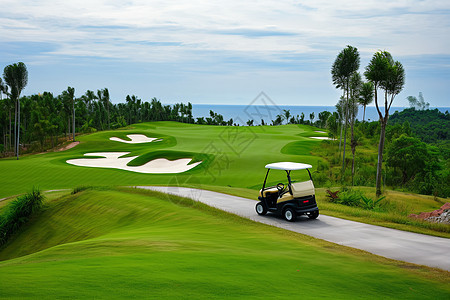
column 441, row 215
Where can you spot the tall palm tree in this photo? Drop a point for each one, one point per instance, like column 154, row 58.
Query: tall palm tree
column 388, row 75
column 346, row 63
column 16, row 76
column 366, row 96
column 89, row 96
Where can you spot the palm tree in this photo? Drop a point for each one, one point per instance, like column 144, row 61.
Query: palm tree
column 388, row 75
column 89, row 96
column 366, row 96
column 346, row 63
column 16, row 76
column 287, row 115
column 105, row 99
column 311, row 117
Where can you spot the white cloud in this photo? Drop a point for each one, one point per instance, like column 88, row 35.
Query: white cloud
column 224, row 36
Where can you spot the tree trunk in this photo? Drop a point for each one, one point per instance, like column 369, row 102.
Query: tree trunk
column 380, row 157
column 364, row 114
column 345, row 135
column 353, row 145
column 73, row 119
column 340, row 140
column 10, row 131
column 18, row 127
column 107, row 109
column 15, row 127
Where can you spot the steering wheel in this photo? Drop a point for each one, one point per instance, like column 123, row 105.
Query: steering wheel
column 280, row 187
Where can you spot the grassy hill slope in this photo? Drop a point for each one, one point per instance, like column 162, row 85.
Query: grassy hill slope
column 133, row 243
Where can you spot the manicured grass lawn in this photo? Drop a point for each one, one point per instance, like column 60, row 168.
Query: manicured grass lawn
column 132, row 243
column 234, row 156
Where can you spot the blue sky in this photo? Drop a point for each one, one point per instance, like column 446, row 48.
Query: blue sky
column 222, row 52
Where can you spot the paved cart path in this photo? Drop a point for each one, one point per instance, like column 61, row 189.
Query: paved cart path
column 391, row 243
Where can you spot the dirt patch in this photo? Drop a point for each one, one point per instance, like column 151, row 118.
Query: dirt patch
column 67, row 147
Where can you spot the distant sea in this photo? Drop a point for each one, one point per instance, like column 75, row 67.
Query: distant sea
column 242, row 113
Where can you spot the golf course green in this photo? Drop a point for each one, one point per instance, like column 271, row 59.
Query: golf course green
column 113, row 241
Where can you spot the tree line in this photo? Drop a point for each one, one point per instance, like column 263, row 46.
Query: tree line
column 42, row 121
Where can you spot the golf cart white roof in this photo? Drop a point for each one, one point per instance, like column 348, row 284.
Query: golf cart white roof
column 288, row 166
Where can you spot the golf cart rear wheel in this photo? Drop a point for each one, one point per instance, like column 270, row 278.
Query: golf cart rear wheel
column 289, row 214
column 313, row 214
column 260, row 209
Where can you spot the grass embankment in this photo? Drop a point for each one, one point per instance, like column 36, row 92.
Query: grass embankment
column 134, row 243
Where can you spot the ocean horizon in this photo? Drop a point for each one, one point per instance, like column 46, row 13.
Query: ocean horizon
column 242, row 113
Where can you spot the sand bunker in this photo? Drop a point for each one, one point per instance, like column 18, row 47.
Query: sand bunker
column 318, row 131
column 114, row 160
column 135, row 139
column 321, row 138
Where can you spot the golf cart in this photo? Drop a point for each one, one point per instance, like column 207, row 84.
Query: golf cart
column 291, row 200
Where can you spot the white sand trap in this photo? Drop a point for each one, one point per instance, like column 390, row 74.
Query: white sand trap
column 318, row 131
column 321, row 138
column 135, row 139
column 114, row 160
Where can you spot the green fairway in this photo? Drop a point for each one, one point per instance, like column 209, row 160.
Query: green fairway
column 139, row 244
column 232, row 156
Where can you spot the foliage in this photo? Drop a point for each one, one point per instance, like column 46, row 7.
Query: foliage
column 366, row 95
column 408, row 154
column 81, row 188
column 419, row 104
column 369, row 203
column 431, row 126
column 349, row 198
column 354, row 198
column 18, row 212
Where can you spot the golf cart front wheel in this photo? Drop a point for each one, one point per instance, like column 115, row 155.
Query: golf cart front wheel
column 313, row 215
column 260, row 209
column 289, row 214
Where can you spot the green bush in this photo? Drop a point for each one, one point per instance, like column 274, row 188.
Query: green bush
column 18, row 212
column 369, row 203
column 81, row 188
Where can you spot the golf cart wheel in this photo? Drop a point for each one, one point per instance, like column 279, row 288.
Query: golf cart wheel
column 289, row 214
column 260, row 209
column 313, row 215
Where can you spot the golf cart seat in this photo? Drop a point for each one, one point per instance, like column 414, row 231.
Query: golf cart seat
column 299, row 190
column 268, row 191
column 302, row 189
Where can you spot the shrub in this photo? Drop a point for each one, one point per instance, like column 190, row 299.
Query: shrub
column 368, row 203
column 349, row 198
column 320, row 179
column 81, row 188
column 18, row 212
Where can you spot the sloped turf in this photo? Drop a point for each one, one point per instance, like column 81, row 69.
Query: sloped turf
column 131, row 243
